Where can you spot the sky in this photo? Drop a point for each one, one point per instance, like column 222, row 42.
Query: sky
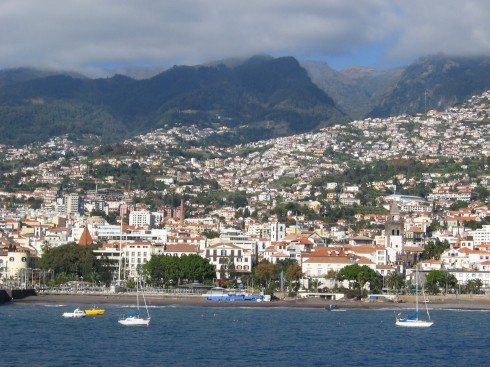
column 93, row 36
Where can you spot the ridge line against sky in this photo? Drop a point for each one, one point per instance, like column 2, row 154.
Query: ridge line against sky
column 93, row 36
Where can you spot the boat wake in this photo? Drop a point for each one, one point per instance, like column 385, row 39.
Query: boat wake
column 49, row 305
column 464, row 310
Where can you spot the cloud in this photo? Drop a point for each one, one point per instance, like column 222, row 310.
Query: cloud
column 87, row 35
column 453, row 27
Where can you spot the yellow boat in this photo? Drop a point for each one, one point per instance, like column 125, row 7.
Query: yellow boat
column 95, row 311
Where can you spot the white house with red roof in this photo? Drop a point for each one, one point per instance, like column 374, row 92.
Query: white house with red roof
column 221, row 254
column 318, row 267
column 431, row 264
column 178, row 249
column 376, row 254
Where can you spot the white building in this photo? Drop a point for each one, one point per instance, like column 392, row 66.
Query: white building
column 135, row 255
column 15, row 265
column 481, row 235
column 141, row 218
column 278, row 231
column 73, row 203
column 221, row 255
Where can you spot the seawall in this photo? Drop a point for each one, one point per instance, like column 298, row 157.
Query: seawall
column 7, row 295
column 4, row 296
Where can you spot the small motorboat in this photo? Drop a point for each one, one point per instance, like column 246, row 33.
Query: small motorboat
column 95, row 311
column 77, row 313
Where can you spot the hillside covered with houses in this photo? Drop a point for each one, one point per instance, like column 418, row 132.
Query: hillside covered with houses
column 376, row 193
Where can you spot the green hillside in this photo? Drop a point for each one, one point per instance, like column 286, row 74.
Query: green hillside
column 263, row 96
column 435, row 82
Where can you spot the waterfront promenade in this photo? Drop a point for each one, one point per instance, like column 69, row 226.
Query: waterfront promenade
column 469, row 302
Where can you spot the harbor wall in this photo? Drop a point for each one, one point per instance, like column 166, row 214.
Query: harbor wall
column 22, row 293
column 7, row 295
column 4, row 296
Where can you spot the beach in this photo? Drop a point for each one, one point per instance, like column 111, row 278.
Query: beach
column 467, row 302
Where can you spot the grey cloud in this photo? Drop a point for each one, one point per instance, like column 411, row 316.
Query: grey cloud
column 89, row 34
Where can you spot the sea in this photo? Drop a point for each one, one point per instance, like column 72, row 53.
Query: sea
column 38, row 335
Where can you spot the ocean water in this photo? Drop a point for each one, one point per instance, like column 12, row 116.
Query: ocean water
column 37, row 335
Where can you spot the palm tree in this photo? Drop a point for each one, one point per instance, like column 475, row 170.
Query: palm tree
column 333, row 275
column 315, row 284
column 394, row 281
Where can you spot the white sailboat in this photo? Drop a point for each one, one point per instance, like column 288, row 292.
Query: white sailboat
column 135, row 318
column 413, row 320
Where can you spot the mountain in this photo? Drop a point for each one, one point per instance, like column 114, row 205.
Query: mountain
column 356, row 90
column 19, row 75
column 435, row 82
column 262, row 96
column 256, row 98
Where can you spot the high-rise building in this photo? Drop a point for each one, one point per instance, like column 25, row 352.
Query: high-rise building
column 73, row 203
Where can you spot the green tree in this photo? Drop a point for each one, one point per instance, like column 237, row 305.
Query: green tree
column 194, row 267
column 314, row 284
column 333, row 275
column 266, row 273
column 161, row 270
column 359, row 276
column 71, row 259
column 293, row 275
column 394, row 281
column 283, row 265
column 434, row 249
column 439, row 279
column 210, row 234
column 473, row 286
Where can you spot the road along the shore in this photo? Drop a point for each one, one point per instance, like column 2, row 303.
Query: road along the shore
column 441, row 302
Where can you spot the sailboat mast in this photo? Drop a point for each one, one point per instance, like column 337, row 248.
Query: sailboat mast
column 417, row 291
column 120, row 255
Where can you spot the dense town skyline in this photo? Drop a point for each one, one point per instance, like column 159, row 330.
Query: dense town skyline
column 267, row 180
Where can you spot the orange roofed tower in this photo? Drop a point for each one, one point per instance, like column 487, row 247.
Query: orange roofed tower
column 85, row 238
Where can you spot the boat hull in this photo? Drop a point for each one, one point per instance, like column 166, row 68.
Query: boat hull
column 414, row 323
column 232, row 297
column 95, row 312
column 134, row 321
column 77, row 314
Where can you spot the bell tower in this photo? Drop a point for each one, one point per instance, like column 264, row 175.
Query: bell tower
column 394, row 233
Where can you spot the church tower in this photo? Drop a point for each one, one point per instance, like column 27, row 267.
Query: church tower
column 394, row 233
column 278, row 231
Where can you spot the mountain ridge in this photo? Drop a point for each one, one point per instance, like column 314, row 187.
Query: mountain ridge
column 275, row 92
column 256, row 98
